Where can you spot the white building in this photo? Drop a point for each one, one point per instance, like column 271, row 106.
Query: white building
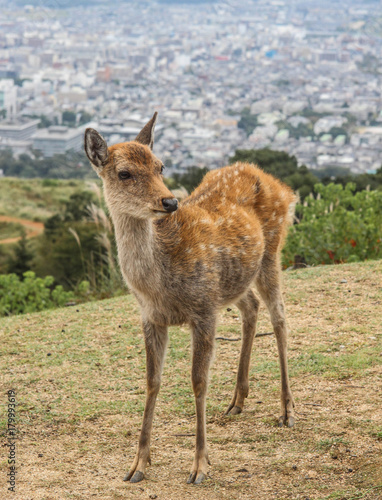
column 8, row 97
column 58, row 140
column 18, row 130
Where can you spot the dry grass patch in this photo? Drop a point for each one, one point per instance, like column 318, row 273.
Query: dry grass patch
column 79, row 377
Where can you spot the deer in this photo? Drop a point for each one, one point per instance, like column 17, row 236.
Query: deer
column 186, row 261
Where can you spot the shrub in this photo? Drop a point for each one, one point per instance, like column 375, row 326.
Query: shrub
column 338, row 225
column 30, row 294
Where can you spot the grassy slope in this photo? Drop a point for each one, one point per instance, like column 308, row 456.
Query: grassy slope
column 37, row 199
column 80, row 407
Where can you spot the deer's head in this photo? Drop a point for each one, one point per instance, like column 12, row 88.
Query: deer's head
column 131, row 174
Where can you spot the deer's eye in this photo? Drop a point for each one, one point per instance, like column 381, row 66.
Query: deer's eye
column 162, row 169
column 124, row 174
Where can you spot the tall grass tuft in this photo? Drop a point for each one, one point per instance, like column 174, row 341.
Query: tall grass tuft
column 108, row 274
column 101, row 269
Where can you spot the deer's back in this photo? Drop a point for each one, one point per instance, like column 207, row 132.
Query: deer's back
column 243, row 194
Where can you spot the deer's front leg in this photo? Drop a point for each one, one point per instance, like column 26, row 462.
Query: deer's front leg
column 202, row 344
column 155, row 341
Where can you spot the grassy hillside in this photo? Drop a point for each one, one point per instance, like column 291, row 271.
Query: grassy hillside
column 79, row 378
column 37, row 199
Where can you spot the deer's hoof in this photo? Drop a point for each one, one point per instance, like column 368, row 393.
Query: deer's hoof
column 138, row 476
column 199, row 478
column 134, row 477
column 289, row 422
column 234, row 411
column 196, row 479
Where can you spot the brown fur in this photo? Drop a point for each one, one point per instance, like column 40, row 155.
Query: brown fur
column 184, row 266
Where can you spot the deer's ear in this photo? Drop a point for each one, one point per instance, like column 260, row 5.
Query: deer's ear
column 146, row 135
column 96, row 149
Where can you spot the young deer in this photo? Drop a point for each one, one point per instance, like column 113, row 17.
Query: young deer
column 185, row 262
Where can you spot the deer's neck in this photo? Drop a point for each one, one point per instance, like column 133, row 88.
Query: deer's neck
column 137, row 252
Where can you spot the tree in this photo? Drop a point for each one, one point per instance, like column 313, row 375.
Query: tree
column 20, row 262
column 247, row 122
column 72, row 165
column 85, row 117
column 76, row 208
column 191, row 179
column 69, row 117
column 277, row 163
column 343, row 176
column 336, row 131
column 44, row 122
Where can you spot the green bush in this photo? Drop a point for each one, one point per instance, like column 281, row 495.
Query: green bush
column 338, row 225
column 30, row 294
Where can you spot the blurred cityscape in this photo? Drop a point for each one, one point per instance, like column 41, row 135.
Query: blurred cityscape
column 301, row 76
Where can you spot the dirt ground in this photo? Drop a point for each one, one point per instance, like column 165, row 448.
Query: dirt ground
column 78, row 374
column 32, row 228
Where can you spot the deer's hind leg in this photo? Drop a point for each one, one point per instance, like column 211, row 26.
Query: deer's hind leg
column 249, row 307
column 268, row 283
column 203, row 340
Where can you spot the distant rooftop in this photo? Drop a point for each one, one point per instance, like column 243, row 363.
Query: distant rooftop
column 18, row 124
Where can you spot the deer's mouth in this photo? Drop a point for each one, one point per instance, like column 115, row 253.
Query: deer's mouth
column 161, row 213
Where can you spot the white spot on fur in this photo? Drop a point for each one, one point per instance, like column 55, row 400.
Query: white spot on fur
column 202, row 247
column 281, row 220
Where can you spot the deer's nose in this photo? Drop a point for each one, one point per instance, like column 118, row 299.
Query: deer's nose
column 170, row 204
